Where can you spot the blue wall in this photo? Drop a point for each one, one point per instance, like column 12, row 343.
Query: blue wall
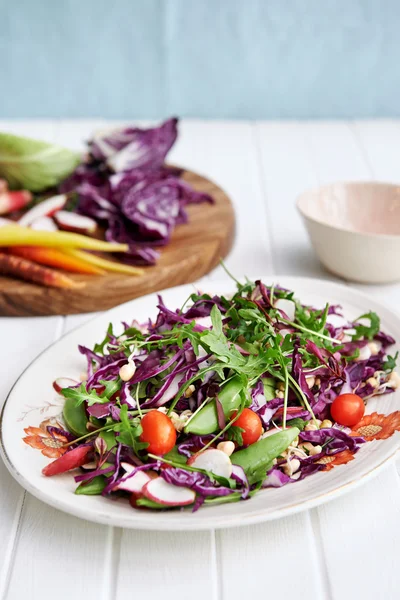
column 200, row 58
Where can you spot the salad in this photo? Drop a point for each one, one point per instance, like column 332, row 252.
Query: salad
column 219, row 398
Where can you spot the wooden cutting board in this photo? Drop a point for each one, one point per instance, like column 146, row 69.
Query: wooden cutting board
column 195, row 249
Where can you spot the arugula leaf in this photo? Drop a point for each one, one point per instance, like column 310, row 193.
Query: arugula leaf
column 367, row 331
column 297, row 422
column 109, row 438
column 99, row 348
column 217, row 343
column 130, row 431
column 390, row 362
column 110, row 387
column 235, row 435
column 81, row 395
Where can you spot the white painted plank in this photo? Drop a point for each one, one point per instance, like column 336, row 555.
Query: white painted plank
column 58, row 555
column 175, row 565
column 75, row 133
column 286, row 172
column 275, row 544
column 379, row 143
column 226, row 153
column 338, row 154
column 74, row 321
column 51, row 538
column 334, row 152
column 57, row 542
column 22, row 340
column 271, row 558
column 361, row 542
column 41, row 129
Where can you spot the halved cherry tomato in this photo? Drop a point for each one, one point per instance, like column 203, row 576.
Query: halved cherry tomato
column 71, row 460
column 251, row 423
column 158, row 432
column 347, row 409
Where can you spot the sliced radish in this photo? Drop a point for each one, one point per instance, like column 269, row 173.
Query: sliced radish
column 44, row 224
column 365, row 353
column 73, row 222
column 285, row 332
column 90, row 466
column 10, row 201
column 167, row 494
column 134, row 484
column 287, row 306
column 127, row 467
column 4, row 222
column 70, row 460
column 64, row 382
column 337, row 321
column 47, row 208
column 212, row 460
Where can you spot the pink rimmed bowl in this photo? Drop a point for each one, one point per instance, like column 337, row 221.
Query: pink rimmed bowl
column 355, row 229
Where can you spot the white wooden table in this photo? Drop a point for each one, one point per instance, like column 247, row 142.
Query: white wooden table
column 346, row 549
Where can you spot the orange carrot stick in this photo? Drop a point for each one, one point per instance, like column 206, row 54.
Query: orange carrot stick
column 30, row 271
column 52, row 257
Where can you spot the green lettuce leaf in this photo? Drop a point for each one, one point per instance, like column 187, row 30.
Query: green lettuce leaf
column 34, row 165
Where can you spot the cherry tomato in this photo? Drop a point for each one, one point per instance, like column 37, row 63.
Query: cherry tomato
column 251, row 423
column 347, row 409
column 70, row 460
column 158, row 432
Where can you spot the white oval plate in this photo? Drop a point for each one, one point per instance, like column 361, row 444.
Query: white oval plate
column 33, row 392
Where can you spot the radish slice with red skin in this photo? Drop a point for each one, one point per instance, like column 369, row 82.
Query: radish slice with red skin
column 44, row 224
column 47, row 208
column 64, row 382
column 167, row 494
column 10, row 201
column 73, row 222
column 212, row 460
column 134, row 484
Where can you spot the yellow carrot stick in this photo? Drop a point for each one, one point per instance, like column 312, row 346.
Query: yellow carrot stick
column 23, row 236
column 107, row 265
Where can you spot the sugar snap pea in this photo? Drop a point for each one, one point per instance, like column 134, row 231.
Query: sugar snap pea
column 256, row 459
column 93, row 487
column 206, row 420
column 75, row 417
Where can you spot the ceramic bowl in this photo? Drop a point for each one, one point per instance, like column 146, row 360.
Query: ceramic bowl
column 355, row 229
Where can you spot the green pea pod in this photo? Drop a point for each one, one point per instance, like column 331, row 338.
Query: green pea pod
column 146, row 503
column 75, row 417
column 109, row 438
column 257, row 458
column 92, row 488
column 174, row 456
column 206, row 420
column 269, row 389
